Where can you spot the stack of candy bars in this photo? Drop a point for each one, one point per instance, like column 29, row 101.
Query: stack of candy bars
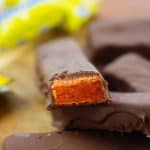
column 83, row 108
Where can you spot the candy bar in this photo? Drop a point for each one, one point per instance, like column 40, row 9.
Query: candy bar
column 128, row 112
column 67, row 76
column 118, row 16
column 76, row 141
column 130, row 69
column 110, row 39
column 125, row 9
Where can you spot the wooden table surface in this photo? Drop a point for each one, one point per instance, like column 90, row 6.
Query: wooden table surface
column 23, row 110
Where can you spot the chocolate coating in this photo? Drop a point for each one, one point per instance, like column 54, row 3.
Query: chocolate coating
column 112, row 33
column 76, row 141
column 127, row 112
column 125, row 9
column 130, row 69
column 110, row 39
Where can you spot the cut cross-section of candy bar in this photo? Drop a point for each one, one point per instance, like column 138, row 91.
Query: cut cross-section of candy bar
column 130, row 69
column 67, row 76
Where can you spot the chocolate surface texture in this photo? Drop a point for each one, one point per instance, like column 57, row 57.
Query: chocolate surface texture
column 110, row 39
column 118, row 29
column 127, row 112
column 131, row 71
column 75, row 141
column 125, row 9
column 67, row 74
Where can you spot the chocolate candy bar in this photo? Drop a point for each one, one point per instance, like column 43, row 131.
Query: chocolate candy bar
column 123, row 9
column 110, row 39
column 119, row 15
column 68, row 76
column 127, row 112
column 130, row 69
column 76, row 141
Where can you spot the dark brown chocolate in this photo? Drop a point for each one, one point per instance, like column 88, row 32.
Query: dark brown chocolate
column 110, row 39
column 76, row 141
column 67, row 74
column 127, row 112
column 130, row 69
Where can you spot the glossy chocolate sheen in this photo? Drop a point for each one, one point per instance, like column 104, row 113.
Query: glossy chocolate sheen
column 131, row 71
column 110, row 39
column 67, row 74
column 127, row 112
column 76, row 141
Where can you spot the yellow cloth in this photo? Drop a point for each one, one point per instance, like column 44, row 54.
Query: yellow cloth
column 4, row 81
column 39, row 16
